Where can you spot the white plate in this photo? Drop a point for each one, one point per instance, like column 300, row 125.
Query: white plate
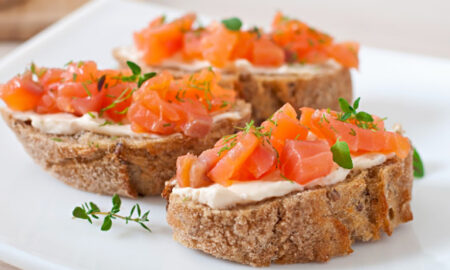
column 36, row 228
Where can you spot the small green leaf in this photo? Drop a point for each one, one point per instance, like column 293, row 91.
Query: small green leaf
column 145, row 77
column 134, row 68
column 345, row 107
column 107, row 223
column 132, row 210
column 145, row 227
column 419, row 170
column 346, row 116
column 138, row 208
column 356, row 103
column 341, row 155
column 78, row 212
column 94, row 207
column 116, row 200
column 233, row 24
column 363, row 116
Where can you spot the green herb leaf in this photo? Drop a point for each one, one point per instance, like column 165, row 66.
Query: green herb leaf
column 341, row 155
column 86, row 89
column 78, row 212
column 145, row 77
column 116, row 200
column 356, row 103
column 233, row 24
column 86, row 211
column 94, row 207
column 134, row 68
column 345, row 107
column 57, row 139
column 419, row 170
column 107, row 223
column 346, row 116
column 363, row 116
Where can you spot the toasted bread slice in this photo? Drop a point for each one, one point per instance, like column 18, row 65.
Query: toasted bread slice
column 128, row 166
column 305, row 226
column 317, row 86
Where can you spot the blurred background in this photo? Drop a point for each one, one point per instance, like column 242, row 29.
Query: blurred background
column 413, row 26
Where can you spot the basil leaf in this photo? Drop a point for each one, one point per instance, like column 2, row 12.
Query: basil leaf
column 233, row 24
column 134, row 68
column 419, row 170
column 363, row 116
column 346, row 116
column 341, row 155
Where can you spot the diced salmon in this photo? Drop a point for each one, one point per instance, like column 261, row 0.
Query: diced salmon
column 304, row 161
column 184, row 164
column 232, row 161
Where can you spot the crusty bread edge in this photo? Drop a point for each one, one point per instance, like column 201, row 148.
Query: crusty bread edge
column 305, row 226
column 128, row 166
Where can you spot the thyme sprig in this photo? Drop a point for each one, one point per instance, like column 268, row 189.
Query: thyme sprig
column 137, row 75
column 91, row 211
column 349, row 112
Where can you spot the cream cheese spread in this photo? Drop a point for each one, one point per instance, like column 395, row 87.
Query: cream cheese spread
column 220, row 197
column 68, row 124
column 177, row 62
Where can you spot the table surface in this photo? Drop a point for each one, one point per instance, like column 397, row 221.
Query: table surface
column 419, row 28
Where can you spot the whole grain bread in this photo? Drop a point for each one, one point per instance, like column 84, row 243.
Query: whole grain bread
column 320, row 88
column 128, row 166
column 304, row 226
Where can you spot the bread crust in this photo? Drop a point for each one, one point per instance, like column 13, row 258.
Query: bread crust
column 306, row 226
column 128, row 166
column 268, row 92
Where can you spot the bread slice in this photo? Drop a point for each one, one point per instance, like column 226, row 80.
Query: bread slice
column 317, row 86
column 128, row 166
column 306, row 226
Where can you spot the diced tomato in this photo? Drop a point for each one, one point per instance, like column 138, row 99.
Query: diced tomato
column 21, row 93
column 304, row 161
column 266, row 53
column 232, row 161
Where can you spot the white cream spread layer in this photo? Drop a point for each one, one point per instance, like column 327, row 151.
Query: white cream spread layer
column 220, row 197
column 68, row 124
column 176, row 62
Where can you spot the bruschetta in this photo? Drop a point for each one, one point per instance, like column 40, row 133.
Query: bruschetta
column 293, row 189
column 117, row 131
column 292, row 62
